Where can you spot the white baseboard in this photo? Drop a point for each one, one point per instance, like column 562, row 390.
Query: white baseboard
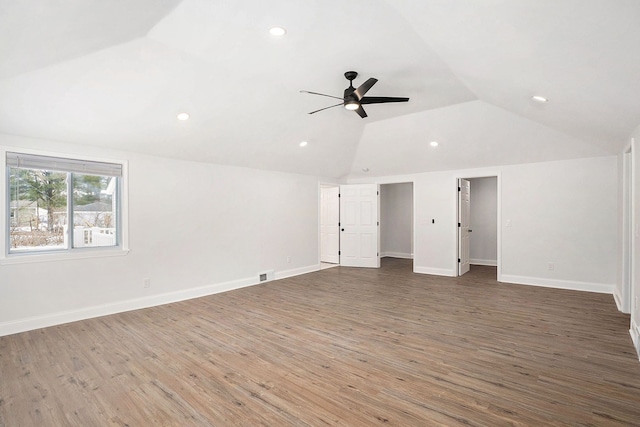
column 618, row 299
column 602, row 288
column 297, row 271
column 37, row 322
column 489, row 262
column 434, row 271
column 634, row 331
column 396, row 255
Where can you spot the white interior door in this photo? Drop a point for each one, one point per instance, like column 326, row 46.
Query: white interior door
column 359, row 224
column 464, row 215
column 329, row 224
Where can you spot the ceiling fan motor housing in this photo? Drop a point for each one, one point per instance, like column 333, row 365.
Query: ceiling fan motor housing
column 349, row 96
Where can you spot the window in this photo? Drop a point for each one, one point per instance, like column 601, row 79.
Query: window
column 62, row 205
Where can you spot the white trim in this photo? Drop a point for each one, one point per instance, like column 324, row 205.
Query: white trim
column 435, row 271
column 64, row 255
column 603, row 288
column 489, row 262
column 617, row 298
column 480, row 173
column 63, row 164
column 297, row 271
column 396, row 255
column 634, row 331
column 69, row 254
column 24, row 150
column 269, row 274
column 31, row 323
column 626, row 221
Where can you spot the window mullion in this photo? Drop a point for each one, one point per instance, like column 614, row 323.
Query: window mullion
column 8, row 210
column 116, row 211
column 70, row 221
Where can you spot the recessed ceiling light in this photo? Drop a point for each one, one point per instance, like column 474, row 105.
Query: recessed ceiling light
column 433, row 143
column 277, row 31
column 183, row 116
column 303, row 144
column 539, row 98
column 365, row 169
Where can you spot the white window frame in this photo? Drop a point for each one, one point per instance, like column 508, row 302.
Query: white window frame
column 70, row 253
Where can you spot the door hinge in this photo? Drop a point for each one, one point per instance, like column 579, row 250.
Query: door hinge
column 378, row 223
column 338, row 252
column 459, row 225
column 458, row 259
column 338, row 194
column 377, row 253
column 377, row 193
column 459, row 189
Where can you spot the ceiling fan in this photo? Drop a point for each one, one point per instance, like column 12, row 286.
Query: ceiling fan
column 354, row 98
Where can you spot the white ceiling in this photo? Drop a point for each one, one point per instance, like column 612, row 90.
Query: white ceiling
column 115, row 73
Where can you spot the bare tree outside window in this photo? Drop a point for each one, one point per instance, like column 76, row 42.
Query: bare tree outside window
column 38, row 200
column 40, row 206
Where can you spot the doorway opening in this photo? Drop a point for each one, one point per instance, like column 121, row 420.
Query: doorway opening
column 367, row 223
column 329, row 226
column 396, row 220
column 349, row 222
column 478, row 228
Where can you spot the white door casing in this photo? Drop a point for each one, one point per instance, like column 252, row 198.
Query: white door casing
column 329, row 224
column 627, row 234
column 359, row 225
column 464, row 215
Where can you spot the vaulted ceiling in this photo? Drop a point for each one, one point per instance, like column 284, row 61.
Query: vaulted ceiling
column 115, row 73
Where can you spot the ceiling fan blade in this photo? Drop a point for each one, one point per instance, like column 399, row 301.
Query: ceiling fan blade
column 321, row 94
column 361, row 112
column 381, row 99
column 325, row 108
column 364, row 87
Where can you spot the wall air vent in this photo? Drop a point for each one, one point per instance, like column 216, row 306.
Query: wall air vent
column 266, row 276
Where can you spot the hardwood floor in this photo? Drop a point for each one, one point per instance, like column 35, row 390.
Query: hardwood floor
column 338, row 347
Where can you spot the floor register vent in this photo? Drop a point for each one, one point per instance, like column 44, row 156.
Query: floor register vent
column 266, row 276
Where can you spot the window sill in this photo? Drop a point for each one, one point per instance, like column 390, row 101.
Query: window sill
column 62, row 256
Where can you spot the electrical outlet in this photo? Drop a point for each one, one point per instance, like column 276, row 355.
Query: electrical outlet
column 288, row 260
column 507, row 223
column 552, row 266
column 147, row 282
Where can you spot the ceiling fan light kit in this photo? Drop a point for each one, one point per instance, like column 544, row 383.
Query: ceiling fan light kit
column 354, row 98
column 351, row 105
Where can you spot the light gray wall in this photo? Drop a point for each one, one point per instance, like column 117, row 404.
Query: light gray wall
column 563, row 212
column 483, row 242
column 396, row 220
column 635, row 227
column 195, row 229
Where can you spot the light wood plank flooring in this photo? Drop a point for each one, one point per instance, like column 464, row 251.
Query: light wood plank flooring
column 339, row 347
